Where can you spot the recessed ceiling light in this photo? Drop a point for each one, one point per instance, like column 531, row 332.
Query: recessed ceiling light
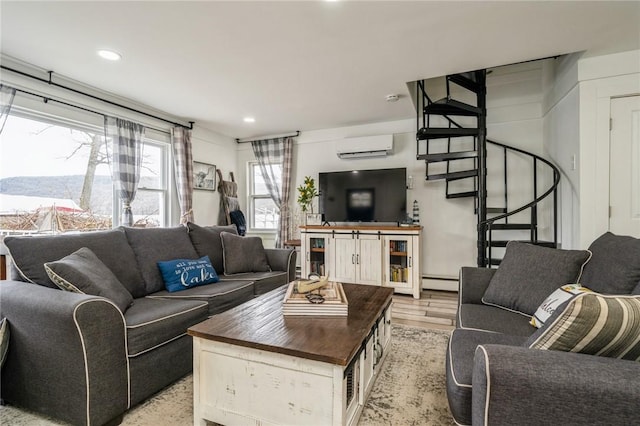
column 109, row 55
column 249, row 120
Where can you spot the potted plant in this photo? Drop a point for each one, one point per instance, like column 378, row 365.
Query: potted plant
column 306, row 193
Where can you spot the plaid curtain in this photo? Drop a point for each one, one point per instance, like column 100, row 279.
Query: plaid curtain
column 126, row 138
column 183, row 166
column 269, row 153
column 6, row 100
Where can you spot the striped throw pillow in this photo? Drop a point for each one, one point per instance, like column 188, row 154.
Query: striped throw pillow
column 596, row 324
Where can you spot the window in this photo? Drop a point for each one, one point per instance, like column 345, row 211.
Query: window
column 150, row 205
column 55, row 177
column 263, row 213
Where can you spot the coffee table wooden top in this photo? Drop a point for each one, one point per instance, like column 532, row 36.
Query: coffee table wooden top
column 260, row 324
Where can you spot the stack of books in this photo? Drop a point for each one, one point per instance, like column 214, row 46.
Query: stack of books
column 399, row 274
column 334, row 300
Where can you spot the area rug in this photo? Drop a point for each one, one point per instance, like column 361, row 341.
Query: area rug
column 409, row 391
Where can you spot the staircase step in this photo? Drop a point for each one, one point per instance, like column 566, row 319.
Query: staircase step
column 498, row 210
column 461, row 175
column 448, row 106
column 447, row 156
column 466, row 80
column 511, row 226
column 463, row 194
column 440, row 132
column 503, row 243
column 453, row 175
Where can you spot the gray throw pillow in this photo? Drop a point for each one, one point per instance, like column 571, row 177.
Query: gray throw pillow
column 243, row 254
column 83, row 272
column 614, row 267
column 153, row 245
column 4, row 340
column 30, row 253
column 207, row 242
column 528, row 274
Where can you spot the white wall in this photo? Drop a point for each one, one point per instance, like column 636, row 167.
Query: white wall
column 514, row 117
column 577, row 112
column 601, row 79
column 556, row 108
column 562, row 140
column 213, row 148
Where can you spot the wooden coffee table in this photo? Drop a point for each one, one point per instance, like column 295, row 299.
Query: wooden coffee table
column 252, row 365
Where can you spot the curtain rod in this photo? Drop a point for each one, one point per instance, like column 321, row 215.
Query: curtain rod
column 268, row 137
column 71, row 89
column 47, row 99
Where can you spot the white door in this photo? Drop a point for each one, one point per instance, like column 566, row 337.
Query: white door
column 369, row 260
column 344, row 261
column 624, row 168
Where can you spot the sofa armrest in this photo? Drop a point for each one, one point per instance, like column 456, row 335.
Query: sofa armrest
column 473, row 283
column 67, row 354
column 517, row 385
column 282, row 260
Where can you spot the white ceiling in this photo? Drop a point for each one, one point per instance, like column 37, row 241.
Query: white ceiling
column 298, row 65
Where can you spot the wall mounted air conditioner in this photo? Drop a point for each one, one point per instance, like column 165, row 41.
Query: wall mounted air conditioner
column 365, row 147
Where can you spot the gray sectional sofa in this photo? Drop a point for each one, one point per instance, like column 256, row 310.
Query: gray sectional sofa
column 78, row 357
column 497, row 370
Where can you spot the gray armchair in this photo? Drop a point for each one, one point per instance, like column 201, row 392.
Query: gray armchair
column 515, row 385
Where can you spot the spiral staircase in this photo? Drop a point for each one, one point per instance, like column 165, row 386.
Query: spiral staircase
column 451, row 137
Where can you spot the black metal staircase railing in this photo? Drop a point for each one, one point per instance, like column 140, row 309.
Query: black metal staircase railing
column 487, row 227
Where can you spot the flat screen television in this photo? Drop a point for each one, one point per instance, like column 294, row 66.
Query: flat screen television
column 364, row 195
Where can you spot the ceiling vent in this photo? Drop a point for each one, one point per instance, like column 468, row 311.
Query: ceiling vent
column 365, row 147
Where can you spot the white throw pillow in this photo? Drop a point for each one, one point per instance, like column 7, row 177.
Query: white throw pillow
column 551, row 303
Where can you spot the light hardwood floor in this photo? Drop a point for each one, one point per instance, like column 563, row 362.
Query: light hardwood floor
column 435, row 309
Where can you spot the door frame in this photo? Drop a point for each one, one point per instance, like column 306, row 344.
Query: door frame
column 634, row 100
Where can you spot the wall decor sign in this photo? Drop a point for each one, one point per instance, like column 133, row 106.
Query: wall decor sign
column 204, row 176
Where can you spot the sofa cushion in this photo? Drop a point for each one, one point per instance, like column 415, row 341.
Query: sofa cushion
column 553, row 302
column 29, row 255
column 82, row 272
column 243, row 254
column 595, row 324
column 219, row 297
column 459, row 366
column 490, row 318
column 614, row 267
column 181, row 274
column 155, row 322
column 264, row 282
column 153, row 245
column 207, row 242
column 528, row 274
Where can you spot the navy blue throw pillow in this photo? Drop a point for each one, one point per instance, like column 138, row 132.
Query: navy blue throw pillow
column 181, row 274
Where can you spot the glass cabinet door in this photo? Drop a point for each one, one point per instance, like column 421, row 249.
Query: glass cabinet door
column 398, row 261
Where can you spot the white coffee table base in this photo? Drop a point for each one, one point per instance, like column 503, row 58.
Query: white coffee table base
column 242, row 385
